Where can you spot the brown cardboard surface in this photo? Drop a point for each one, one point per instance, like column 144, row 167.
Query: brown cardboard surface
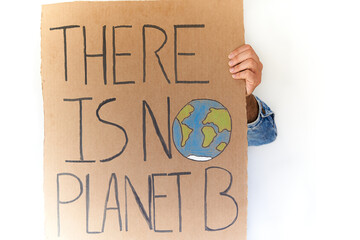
column 112, row 169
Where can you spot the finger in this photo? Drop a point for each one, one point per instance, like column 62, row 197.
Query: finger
column 251, row 84
column 250, row 80
column 239, row 50
column 249, row 64
column 243, row 56
column 250, row 89
column 246, row 75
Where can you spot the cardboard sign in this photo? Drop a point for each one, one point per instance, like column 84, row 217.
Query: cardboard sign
column 145, row 130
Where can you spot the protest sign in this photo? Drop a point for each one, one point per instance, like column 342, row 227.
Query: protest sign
column 145, row 130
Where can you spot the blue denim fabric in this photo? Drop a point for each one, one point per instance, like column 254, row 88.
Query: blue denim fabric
column 263, row 129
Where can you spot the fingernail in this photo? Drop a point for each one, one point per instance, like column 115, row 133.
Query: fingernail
column 231, row 70
column 234, row 75
column 230, row 55
column 230, row 63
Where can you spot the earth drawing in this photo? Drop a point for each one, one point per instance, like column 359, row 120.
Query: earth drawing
column 202, row 129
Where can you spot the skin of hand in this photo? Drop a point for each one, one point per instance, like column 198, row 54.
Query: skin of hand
column 245, row 65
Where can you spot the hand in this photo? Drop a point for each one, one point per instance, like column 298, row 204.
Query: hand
column 245, row 64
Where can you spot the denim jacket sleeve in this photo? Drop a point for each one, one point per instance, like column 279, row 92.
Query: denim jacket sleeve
column 263, row 129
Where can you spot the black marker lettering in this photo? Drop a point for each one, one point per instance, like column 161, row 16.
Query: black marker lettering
column 154, row 197
column 112, row 124
column 103, row 55
column 223, row 193
column 182, row 53
column 80, row 100
column 117, row 208
column 167, row 150
column 65, row 45
column 156, row 52
column 65, row 202
column 115, row 54
column 146, row 216
column 87, row 186
column 178, row 174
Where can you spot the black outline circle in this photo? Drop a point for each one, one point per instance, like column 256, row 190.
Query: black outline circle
column 172, row 129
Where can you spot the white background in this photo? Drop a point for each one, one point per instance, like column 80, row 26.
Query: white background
column 306, row 185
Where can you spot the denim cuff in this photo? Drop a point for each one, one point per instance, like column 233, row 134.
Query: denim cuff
column 264, row 111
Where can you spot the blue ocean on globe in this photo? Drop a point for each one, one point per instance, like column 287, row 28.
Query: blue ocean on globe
column 202, row 129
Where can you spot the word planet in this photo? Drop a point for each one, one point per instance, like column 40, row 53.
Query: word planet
column 202, row 129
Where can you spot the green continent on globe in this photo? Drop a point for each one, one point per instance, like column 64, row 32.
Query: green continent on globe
column 221, row 146
column 219, row 117
column 209, row 135
column 185, row 133
column 185, row 130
